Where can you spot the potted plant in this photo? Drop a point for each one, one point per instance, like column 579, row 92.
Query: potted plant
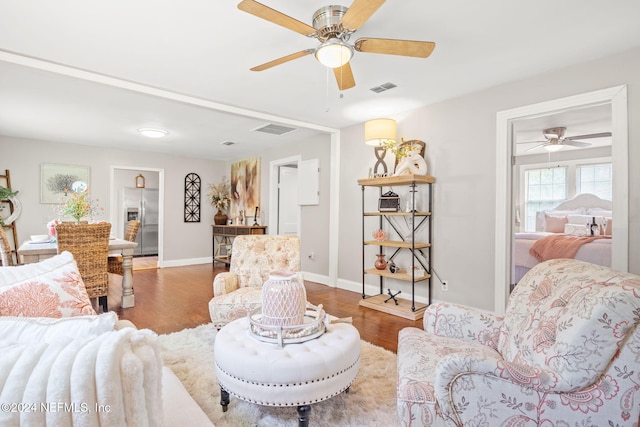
column 220, row 196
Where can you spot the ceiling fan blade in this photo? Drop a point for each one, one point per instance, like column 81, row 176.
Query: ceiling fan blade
column 575, row 143
column 359, row 12
column 282, row 60
column 395, row 47
column 537, row 146
column 588, row 136
column 532, row 142
column 272, row 15
column 344, row 77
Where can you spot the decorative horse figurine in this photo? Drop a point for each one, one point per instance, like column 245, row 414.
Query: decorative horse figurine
column 412, row 163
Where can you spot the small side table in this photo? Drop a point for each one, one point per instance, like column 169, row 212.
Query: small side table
column 295, row 375
column 223, row 237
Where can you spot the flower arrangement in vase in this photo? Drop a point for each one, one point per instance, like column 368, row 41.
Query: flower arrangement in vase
column 78, row 204
column 220, row 197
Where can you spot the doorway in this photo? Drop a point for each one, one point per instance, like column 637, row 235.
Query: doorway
column 616, row 97
column 283, row 194
column 154, row 180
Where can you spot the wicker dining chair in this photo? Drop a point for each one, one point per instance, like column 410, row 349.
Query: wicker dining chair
column 5, row 249
column 115, row 261
column 89, row 245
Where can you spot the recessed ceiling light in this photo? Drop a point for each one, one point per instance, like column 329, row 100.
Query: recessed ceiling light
column 153, row 133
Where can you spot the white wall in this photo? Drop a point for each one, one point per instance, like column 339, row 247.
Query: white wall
column 182, row 241
column 461, row 137
column 314, row 227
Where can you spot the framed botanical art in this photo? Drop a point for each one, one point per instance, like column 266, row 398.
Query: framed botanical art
column 56, row 180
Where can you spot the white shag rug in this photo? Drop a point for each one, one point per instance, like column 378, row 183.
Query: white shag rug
column 371, row 400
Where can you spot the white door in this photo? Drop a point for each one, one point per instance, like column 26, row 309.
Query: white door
column 288, row 209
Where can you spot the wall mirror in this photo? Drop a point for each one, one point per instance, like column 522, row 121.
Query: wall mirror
column 521, row 147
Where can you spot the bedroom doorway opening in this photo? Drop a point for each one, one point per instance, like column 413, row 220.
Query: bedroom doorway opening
column 509, row 213
column 284, row 210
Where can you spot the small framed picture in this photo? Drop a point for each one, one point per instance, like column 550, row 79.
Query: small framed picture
column 223, row 250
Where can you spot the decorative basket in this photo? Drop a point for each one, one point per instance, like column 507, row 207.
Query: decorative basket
column 314, row 324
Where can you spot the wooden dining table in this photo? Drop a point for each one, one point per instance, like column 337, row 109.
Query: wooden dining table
column 38, row 251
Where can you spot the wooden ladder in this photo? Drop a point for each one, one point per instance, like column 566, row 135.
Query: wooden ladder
column 14, row 232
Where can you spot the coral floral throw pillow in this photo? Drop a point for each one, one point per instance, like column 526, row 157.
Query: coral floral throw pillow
column 52, row 288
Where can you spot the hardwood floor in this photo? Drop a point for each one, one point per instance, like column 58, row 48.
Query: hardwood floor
column 171, row 299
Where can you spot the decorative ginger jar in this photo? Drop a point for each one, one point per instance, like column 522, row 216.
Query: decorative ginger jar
column 284, row 299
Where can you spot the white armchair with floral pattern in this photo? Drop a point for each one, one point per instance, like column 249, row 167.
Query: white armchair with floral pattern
column 566, row 353
column 239, row 291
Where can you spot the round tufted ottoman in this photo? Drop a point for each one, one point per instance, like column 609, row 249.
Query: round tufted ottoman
column 295, row 375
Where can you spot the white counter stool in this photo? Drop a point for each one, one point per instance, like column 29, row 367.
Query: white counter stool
column 293, row 375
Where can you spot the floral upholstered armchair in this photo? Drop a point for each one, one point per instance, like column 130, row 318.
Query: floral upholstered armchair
column 566, row 353
column 239, row 291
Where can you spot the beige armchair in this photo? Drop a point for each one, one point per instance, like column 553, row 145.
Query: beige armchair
column 239, row 291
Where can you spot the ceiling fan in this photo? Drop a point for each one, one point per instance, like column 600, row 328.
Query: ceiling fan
column 555, row 139
column 333, row 26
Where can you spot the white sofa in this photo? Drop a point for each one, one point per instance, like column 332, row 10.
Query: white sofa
column 63, row 365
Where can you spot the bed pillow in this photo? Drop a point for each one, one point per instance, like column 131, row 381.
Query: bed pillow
column 540, row 225
column 51, row 288
column 581, row 219
column 45, row 329
column 599, row 212
column 554, row 224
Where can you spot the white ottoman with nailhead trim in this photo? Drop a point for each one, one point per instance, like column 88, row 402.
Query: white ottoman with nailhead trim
column 295, row 375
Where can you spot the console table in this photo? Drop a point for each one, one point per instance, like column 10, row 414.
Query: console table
column 223, row 237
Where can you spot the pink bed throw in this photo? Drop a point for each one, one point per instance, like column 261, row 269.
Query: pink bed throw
column 559, row 246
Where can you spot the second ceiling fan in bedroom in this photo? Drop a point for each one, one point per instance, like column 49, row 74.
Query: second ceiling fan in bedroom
column 555, row 139
column 333, row 26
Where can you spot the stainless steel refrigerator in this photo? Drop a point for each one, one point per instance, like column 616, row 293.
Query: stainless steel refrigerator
column 142, row 204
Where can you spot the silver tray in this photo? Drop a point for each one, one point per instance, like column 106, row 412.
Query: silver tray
column 315, row 324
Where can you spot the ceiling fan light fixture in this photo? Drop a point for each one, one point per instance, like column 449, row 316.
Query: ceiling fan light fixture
column 377, row 131
column 153, row 133
column 334, row 53
column 553, row 147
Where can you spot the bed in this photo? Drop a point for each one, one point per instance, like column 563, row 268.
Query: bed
column 568, row 218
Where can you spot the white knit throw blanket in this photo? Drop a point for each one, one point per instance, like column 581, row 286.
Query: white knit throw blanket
column 113, row 379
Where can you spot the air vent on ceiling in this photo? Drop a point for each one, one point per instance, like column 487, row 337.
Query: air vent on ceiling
column 227, row 143
column 274, row 129
column 383, row 87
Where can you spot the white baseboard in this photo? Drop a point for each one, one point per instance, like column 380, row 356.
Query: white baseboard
column 317, row 278
column 184, row 262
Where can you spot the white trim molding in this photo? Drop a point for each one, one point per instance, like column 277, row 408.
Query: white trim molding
column 617, row 98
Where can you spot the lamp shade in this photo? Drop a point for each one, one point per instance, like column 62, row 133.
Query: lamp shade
column 334, row 53
column 377, row 131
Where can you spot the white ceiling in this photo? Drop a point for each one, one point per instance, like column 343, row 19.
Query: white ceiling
column 94, row 72
column 577, row 121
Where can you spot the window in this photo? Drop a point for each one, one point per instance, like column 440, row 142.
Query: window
column 595, row 179
column 544, row 188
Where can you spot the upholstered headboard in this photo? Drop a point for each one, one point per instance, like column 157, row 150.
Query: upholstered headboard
column 586, row 201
